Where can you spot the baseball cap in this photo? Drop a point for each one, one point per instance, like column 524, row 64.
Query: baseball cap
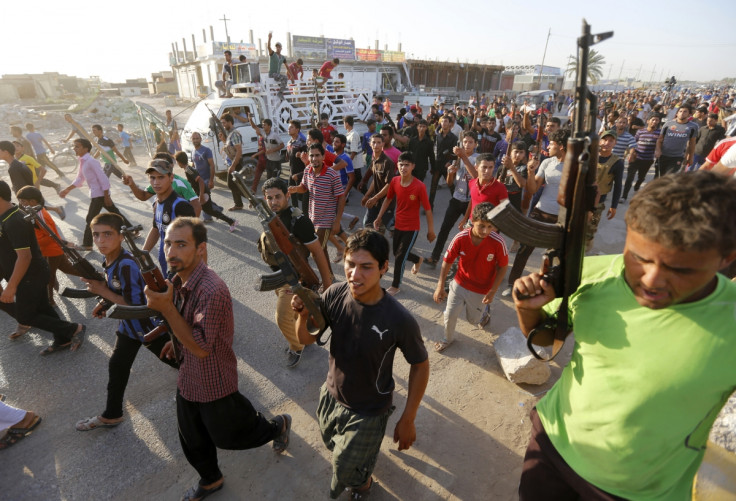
column 159, row 165
column 609, row 133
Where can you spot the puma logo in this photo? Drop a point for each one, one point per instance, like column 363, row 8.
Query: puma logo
column 380, row 334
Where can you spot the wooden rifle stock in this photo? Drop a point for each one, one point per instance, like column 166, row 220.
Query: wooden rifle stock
column 154, row 280
column 84, row 268
column 501, row 173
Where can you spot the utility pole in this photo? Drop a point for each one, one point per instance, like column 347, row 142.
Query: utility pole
column 619, row 75
column 651, row 78
column 225, row 19
column 543, row 58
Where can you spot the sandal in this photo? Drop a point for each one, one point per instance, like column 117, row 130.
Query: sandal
column 93, row 423
column 281, row 442
column 197, row 492
column 442, row 345
column 15, row 435
column 78, row 338
column 54, row 348
column 19, row 331
column 392, row 291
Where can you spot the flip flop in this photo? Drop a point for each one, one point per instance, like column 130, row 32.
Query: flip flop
column 54, row 348
column 392, row 291
column 198, row 492
column 19, row 331
column 93, row 423
column 281, row 442
column 78, row 339
column 442, row 345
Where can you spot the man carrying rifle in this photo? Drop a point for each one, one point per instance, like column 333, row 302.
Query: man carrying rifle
column 653, row 358
column 25, row 297
column 299, row 225
column 210, row 411
column 547, row 210
column 124, row 285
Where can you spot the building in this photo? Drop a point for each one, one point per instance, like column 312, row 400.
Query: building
column 529, row 77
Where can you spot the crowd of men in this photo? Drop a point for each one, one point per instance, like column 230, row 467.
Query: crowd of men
column 670, row 281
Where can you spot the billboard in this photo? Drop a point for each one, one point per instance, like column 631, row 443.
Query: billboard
column 340, row 48
column 309, row 47
column 247, row 49
column 391, row 56
column 368, row 54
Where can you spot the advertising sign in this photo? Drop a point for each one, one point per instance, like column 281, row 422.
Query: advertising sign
column 341, row 49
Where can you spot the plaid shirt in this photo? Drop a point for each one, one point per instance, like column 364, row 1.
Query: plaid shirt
column 205, row 303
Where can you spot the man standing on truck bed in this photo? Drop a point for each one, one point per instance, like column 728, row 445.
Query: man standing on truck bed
column 275, row 60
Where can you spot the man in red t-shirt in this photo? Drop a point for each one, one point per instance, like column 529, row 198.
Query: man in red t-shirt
column 327, row 67
column 484, row 188
column 482, row 264
column 410, row 193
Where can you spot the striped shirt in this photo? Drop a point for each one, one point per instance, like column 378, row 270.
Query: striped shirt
column 90, row 170
column 324, row 190
column 646, row 143
column 124, row 278
column 207, row 307
column 624, row 142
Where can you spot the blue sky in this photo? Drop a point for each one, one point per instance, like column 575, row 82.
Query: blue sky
column 133, row 38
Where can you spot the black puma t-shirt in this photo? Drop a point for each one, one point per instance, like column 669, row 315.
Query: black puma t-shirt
column 362, row 348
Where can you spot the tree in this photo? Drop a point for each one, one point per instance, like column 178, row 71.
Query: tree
column 596, row 62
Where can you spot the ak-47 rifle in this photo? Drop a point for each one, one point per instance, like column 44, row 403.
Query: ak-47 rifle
column 215, row 125
column 565, row 241
column 154, row 280
column 502, row 172
column 115, row 168
column 84, row 269
column 294, row 269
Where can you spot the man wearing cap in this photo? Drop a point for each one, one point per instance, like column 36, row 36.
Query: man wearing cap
column 610, row 175
column 275, row 60
column 676, row 144
column 700, row 115
column 167, row 207
column 706, row 139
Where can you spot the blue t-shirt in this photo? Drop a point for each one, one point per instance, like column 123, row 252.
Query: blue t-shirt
column 125, row 139
column 163, row 214
column 366, row 143
column 36, row 140
column 201, row 157
column 347, row 170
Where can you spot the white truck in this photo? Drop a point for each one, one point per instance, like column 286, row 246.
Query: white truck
column 336, row 98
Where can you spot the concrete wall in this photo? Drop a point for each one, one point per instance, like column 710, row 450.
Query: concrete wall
column 8, row 93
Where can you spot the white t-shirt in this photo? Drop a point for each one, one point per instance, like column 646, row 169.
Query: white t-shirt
column 354, row 146
column 272, row 140
column 551, row 171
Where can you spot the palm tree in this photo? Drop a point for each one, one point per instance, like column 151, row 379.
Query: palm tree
column 596, row 62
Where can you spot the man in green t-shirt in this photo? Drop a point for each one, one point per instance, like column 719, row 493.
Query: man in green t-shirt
column 653, row 361
column 275, row 60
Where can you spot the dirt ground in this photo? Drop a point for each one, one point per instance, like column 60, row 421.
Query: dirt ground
column 472, row 428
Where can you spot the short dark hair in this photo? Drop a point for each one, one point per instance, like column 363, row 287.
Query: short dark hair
column 199, row 230
column 377, row 136
column 336, row 61
column 5, row 192
column 299, row 61
column 84, row 143
column 296, row 123
column 182, row 158
column 469, row 133
column 97, row 127
column 690, row 211
column 388, row 129
column 228, row 118
column 324, row 116
column 349, row 120
column 110, row 219
column 519, row 145
column 317, row 146
column 687, row 106
column 406, row 156
column 316, row 134
column 268, row 122
column 342, row 138
column 560, row 137
column 555, row 120
column 487, row 157
column 7, row 146
column 275, row 182
column 228, row 52
column 371, row 241
column 30, row 193
column 481, row 210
